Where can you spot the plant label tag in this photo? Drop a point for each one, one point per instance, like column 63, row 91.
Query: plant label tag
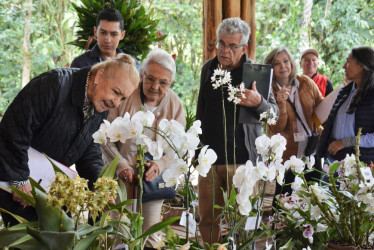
column 191, row 222
column 250, row 224
column 367, row 174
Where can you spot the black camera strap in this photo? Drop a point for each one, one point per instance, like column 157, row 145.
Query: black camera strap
column 298, row 117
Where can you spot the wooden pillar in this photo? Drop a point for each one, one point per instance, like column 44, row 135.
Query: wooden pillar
column 217, row 10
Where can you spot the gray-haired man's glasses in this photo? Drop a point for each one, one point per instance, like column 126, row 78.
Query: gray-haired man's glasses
column 222, row 45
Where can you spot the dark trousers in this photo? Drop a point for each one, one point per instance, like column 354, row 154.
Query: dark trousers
column 7, row 203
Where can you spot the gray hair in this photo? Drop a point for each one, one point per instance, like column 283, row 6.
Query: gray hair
column 232, row 26
column 162, row 58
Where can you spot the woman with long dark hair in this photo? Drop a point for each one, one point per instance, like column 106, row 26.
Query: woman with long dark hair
column 353, row 109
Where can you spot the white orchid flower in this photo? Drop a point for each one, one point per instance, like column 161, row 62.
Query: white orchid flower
column 295, row 164
column 146, row 118
column 297, row 183
column 155, row 149
column 117, row 130
column 262, row 146
column 246, row 208
column 195, row 128
column 206, row 158
column 99, row 137
column 170, row 177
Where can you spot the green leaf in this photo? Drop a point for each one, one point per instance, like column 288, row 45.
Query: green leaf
column 51, row 218
column 86, row 243
column 17, row 217
column 34, row 184
column 153, row 229
column 56, row 169
column 28, row 198
column 53, row 240
column 110, row 171
column 334, row 167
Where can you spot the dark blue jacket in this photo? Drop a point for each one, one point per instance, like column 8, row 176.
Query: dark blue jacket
column 91, row 57
column 363, row 119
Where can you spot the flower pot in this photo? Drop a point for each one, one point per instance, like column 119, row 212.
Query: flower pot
column 332, row 246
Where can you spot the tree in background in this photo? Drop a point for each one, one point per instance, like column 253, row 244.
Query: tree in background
column 141, row 29
column 51, row 28
column 334, row 28
column 182, row 21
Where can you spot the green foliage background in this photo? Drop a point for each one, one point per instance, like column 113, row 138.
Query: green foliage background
column 347, row 23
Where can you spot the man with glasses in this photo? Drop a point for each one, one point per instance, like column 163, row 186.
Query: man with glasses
column 232, row 38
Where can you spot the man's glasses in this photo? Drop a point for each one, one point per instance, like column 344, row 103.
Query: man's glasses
column 152, row 80
column 222, row 45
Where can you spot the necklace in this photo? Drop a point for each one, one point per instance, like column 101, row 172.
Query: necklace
column 85, row 90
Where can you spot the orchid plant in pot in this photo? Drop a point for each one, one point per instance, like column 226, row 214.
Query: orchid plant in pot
column 338, row 212
column 171, row 138
column 61, row 222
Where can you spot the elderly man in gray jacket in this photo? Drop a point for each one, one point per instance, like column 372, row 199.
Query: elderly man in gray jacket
column 233, row 35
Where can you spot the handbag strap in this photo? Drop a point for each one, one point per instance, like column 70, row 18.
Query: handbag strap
column 297, row 115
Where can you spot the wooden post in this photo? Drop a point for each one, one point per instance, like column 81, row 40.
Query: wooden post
column 217, row 10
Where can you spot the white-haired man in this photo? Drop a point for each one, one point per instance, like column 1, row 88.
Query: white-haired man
column 232, row 39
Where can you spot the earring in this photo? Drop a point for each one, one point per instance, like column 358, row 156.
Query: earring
column 95, row 83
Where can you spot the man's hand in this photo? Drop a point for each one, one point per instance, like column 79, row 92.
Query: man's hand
column 126, row 175
column 26, row 189
column 152, row 172
column 252, row 97
column 335, row 146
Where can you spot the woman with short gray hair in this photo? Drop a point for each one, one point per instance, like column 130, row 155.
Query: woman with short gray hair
column 154, row 95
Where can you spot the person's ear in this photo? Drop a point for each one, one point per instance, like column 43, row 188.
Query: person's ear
column 244, row 48
column 95, row 30
column 123, row 34
column 99, row 75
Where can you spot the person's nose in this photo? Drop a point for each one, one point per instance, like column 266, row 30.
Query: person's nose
column 107, row 38
column 156, row 85
column 116, row 102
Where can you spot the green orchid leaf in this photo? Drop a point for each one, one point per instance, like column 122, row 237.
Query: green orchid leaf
column 53, row 240
column 87, row 242
column 28, row 198
column 17, row 217
column 51, row 218
column 55, row 168
column 27, row 242
column 85, row 229
column 34, row 184
column 8, row 237
column 153, row 229
column 110, row 171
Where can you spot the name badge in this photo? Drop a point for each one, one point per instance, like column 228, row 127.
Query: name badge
column 299, row 137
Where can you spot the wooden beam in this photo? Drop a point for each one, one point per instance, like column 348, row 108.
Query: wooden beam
column 211, row 19
column 231, row 8
column 251, row 9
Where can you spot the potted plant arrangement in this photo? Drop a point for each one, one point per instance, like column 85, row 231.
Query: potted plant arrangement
column 61, row 222
column 333, row 214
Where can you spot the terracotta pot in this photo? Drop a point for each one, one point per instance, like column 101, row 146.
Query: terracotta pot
column 336, row 246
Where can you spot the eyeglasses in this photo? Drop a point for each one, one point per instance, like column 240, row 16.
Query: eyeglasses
column 222, row 45
column 152, row 80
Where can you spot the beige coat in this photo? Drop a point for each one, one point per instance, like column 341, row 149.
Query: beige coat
column 310, row 97
column 169, row 108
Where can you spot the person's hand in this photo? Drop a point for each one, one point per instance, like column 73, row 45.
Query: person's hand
column 152, row 172
column 26, row 189
column 252, row 97
column 282, row 95
column 126, row 175
column 335, row 146
column 320, row 129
